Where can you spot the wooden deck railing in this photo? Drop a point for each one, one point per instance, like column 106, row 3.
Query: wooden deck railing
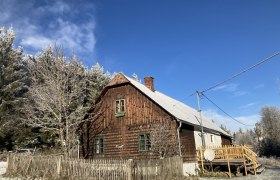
column 243, row 154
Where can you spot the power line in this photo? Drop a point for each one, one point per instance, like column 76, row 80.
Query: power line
column 224, row 111
column 242, row 72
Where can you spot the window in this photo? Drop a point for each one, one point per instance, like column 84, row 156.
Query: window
column 212, row 138
column 120, row 107
column 144, row 142
column 98, row 146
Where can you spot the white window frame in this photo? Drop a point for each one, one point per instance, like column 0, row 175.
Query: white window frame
column 120, row 107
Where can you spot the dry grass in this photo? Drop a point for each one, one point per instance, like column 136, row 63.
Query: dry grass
column 190, row 178
column 269, row 162
column 214, row 174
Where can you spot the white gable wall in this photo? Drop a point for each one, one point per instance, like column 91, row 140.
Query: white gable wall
column 210, row 139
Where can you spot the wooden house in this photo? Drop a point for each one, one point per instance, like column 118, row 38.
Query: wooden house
column 127, row 113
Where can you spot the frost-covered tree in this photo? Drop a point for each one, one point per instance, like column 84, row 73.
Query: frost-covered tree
column 135, row 77
column 14, row 78
column 245, row 138
column 163, row 140
column 14, row 82
column 258, row 131
column 95, row 80
column 270, row 129
column 225, row 129
column 61, row 92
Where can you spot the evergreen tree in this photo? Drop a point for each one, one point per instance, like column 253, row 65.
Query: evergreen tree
column 225, row 129
column 95, row 81
column 14, row 77
column 14, row 82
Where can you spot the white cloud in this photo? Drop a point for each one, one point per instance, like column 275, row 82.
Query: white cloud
column 4, row 15
column 259, row 86
column 240, row 93
column 232, row 88
column 248, row 105
column 230, row 123
column 250, row 119
column 227, row 87
column 57, row 7
column 76, row 37
column 37, row 42
column 67, row 23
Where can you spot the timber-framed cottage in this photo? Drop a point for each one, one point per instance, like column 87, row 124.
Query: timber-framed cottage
column 124, row 116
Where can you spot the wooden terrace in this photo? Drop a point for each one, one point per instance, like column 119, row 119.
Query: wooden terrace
column 234, row 157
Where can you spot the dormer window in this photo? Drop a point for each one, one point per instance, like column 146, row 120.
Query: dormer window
column 120, row 107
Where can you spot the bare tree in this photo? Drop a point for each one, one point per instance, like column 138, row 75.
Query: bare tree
column 57, row 96
column 164, row 141
column 269, row 144
column 271, row 122
column 258, row 131
column 244, row 138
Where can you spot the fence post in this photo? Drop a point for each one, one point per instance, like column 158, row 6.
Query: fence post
column 8, row 162
column 228, row 162
column 59, row 165
column 244, row 160
column 129, row 169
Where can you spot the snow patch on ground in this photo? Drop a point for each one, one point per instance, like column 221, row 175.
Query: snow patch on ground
column 3, row 166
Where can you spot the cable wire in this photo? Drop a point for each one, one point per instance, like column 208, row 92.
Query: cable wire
column 224, row 111
column 242, row 72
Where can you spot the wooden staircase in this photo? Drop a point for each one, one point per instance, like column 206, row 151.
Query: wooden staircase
column 250, row 168
column 251, row 161
column 241, row 157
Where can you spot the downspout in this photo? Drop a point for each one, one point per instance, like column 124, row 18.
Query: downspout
column 78, row 148
column 178, row 133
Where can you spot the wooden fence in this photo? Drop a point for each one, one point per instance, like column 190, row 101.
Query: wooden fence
column 57, row 167
column 167, row 168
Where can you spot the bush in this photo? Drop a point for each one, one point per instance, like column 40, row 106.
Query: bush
column 269, row 148
column 272, row 161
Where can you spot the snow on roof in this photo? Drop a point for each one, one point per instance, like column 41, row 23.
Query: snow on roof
column 176, row 108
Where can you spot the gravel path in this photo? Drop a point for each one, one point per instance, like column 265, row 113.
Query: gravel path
column 270, row 173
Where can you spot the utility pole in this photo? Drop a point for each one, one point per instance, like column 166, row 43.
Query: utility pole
column 201, row 123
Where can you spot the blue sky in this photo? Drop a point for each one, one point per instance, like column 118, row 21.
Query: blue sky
column 184, row 45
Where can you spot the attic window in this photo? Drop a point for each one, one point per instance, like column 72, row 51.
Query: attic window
column 120, row 107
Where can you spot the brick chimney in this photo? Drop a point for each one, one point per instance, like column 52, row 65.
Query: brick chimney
column 149, row 83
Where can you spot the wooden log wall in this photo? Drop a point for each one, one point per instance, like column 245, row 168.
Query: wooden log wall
column 226, row 140
column 121, row 134
column 188, row 143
